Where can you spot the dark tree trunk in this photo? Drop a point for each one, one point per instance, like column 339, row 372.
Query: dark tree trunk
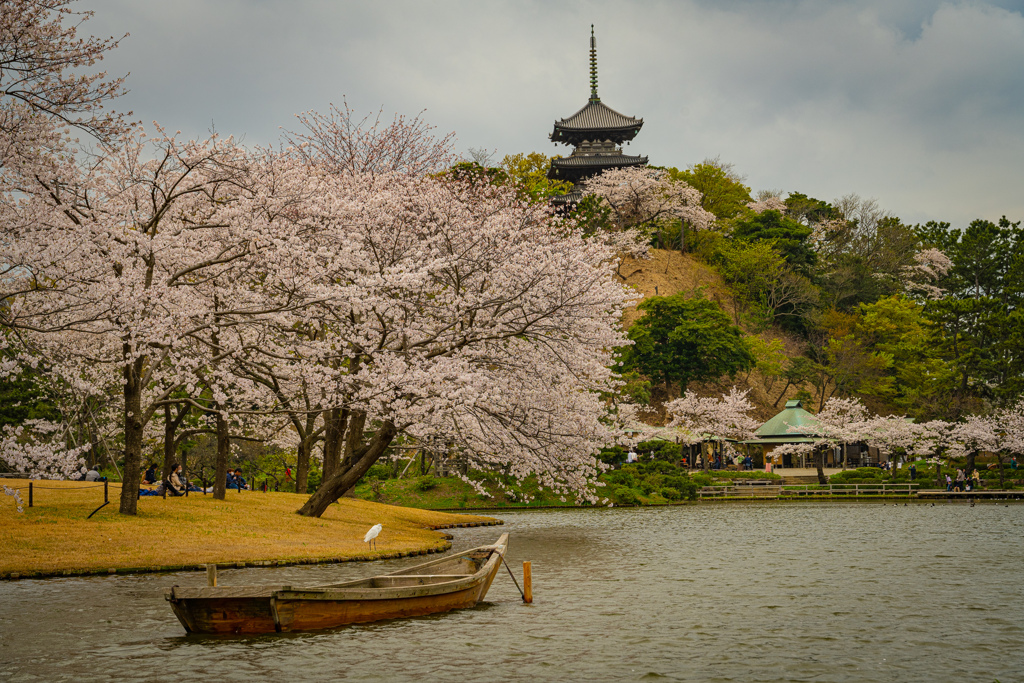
column 819, row 463
column 971, row 457
column 353, row 436
column 220, row 477
column 171, row 425
column 334, row 436
column 789, row 383
column 302, row 468
column 350, row 472
column 132, row 475
column 169, row 428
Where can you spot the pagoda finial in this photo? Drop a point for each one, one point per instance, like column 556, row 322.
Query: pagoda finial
column 593, row 66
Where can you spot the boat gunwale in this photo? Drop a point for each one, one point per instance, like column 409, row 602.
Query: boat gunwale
column 351, row 590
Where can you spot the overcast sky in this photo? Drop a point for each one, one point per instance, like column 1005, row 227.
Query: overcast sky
column 917, row 104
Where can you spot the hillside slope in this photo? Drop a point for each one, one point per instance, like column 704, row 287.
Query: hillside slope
column 670, row 272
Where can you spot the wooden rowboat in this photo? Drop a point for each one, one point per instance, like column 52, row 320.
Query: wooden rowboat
column 444, row 584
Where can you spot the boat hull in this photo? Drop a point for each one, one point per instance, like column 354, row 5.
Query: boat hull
column 282, row 609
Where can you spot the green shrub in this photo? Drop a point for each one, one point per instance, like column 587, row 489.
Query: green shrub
column 670, row 493
column 861, row 475
column 426, row 482
column 620, row 478
column 616, row 455
column 659, row 450
column 702, row 479
column 625, row 496
column 377, row 472
column 652, row 483
column 686, row 486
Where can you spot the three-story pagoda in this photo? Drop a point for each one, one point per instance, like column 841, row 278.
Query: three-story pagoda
column 595, row 132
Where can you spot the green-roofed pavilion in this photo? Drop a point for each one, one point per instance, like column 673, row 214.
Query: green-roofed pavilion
column 777, row 429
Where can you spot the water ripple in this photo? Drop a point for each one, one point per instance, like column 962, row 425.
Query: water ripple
column 751, row 592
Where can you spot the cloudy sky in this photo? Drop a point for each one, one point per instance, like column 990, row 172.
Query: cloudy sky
column 917, row 104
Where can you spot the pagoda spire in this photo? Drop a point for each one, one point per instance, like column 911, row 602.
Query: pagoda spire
column 593, row 66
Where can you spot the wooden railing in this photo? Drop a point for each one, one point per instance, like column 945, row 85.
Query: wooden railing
column 851, row 490
column 797, row 490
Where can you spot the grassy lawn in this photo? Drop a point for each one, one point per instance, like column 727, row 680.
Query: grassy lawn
column 54, row 536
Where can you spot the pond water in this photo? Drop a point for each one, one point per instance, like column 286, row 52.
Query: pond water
column 721, row 592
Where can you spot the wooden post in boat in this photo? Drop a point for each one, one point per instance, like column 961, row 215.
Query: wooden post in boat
column 527, row 583
column 211, row 575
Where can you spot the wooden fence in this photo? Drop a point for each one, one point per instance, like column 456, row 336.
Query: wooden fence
column 806, row 490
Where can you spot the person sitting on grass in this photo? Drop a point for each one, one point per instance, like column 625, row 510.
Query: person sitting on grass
column 173, row 483
column 231, row 482
column 93, row 474
column 150, row 476
column 240, row 480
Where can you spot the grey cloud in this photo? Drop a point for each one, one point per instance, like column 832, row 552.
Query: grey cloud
column 916, row 103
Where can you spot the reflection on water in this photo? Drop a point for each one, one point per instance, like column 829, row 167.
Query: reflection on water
column 745, row 592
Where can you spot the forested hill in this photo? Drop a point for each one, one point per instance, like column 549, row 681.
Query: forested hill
column 669, row 272
column 796, row 297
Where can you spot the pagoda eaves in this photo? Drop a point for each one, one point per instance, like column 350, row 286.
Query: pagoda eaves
column 595, row 122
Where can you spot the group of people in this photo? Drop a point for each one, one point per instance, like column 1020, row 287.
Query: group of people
column 963, row 481
column 92, row 474
column 718, row 462
column 236, row 480
column 175, row 484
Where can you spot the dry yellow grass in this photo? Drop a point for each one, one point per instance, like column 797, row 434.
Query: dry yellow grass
column 666, row 273
column 54, row 536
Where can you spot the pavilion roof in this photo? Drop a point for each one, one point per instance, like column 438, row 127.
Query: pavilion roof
column 793, row 415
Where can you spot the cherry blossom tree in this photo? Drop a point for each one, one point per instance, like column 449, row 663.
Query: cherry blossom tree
column 641, row 198
column 897, row 435
column 720, row 418
column 973, row 434
column 342, row 144
column 465, row 316
column 1010, row 423
column 137, row 264
column 768, row 203
column 929, row 266
column 43, row 58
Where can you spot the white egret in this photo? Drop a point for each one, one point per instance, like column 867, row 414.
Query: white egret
column 372, row 534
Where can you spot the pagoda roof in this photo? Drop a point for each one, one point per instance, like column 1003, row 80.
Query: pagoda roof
column 596, row 116
column 567, row 199
column 793, row 415
column 583, row 166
